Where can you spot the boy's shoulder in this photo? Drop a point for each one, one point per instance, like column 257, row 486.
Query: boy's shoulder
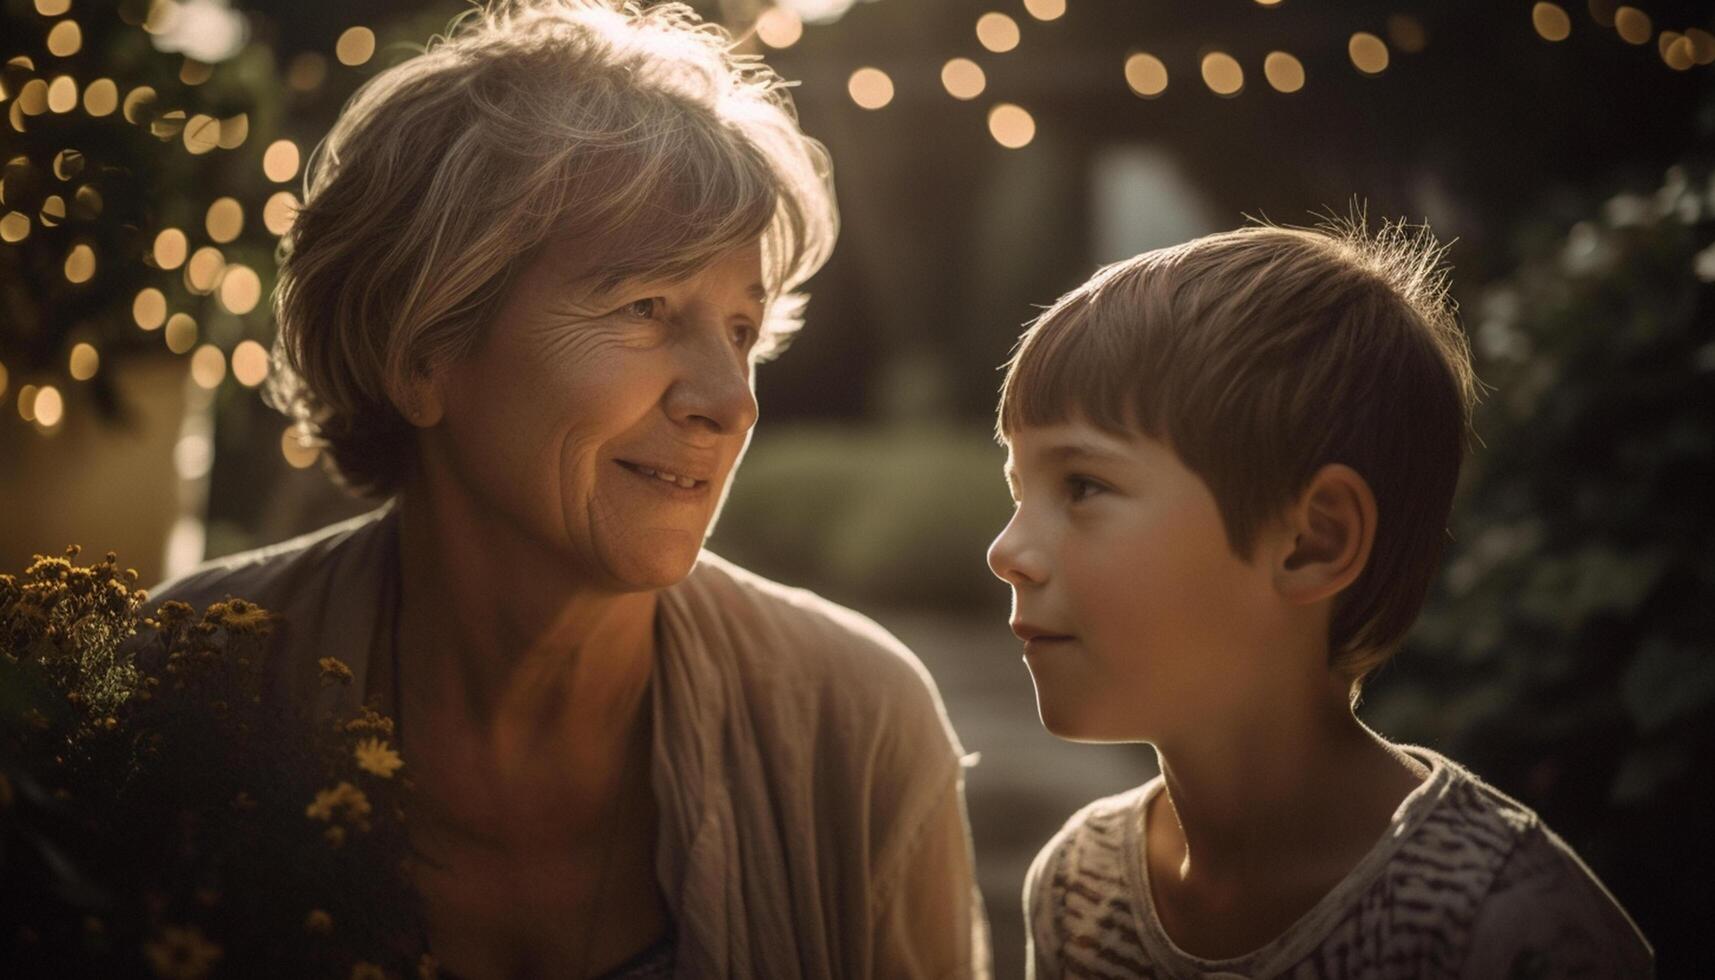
column 1079, row 892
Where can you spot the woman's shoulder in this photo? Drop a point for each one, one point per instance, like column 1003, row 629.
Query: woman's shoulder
column 278, row 575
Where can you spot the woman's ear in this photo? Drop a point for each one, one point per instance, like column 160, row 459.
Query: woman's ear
column 1329, row 531
column 420, row 400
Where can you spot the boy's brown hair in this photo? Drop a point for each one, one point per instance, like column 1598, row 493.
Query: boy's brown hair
column 1261, row 355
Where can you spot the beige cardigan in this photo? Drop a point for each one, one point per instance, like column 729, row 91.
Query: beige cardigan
column 809, row 785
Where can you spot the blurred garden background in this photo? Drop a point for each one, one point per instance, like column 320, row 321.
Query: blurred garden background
column 989, row 155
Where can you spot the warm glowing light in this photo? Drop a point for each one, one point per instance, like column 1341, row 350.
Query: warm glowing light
column 68, row 163
column 1284, row 72
column 137, row 103
column 181, row 333
column 1407, row 34
column 168, row 124
column 49, row 407
column 65, row 39
column 1146, row 75
column 101, row 97
column 1676, row 50
column 1011, row 126
column 234, row 130
column 3, row 380
column 52, row 8
column 27, row 403
column 170, row 248
column 299, row 452
column 279, row 212
column 249, row 363
column 1702, row 45
column 194, row 72
column 997, row 32
column 1268, row 3
column 1368, row 53
column 240, row 289
column 1634, row 25
column 280, row 161
column 307, row 72
column 963, row 78
column 779, row 27
column 53, row 212
column 1046, row 9
column 14, row 227
column 62, row 94
column 1551, row 21
column 870, row 88
column 84, row 362
column 80, row 264
column 355, row 46
column 1221, row 72
column 225, row 220
column 203, row 271
column 33, row 97
column 202, row 134
column 149, row 309
column 86, row 203
column 208, row 366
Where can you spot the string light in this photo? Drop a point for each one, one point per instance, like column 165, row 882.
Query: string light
column 1221, row 72
column 208, row 366
column 307, row 72
column 225, row 220
column 52, row 8
column 1406, row 33
column 101, row 98
column 240, row 289
column 14, row 227
column 170, row 248
column 299, row 451
column 1011, row 126
column 194, row 72
column 1633, row 25
column 80, row 264
column 202, row 134
column 1046, row 9
column 1702, row 45
column 779, row 27
column 279, row 212
column 62, row 94
column 3, row 380
column 1676, row 50
column 85, row 360
column 86, row 203
column 49, row 407
column 202, row 272
column 355, row 46
column 33, row 97
column 1551, row 21
column 27, row 403
column 181, row 333
column 149, row 309
column 280, row 161
column 68, row 163
column 870, row 88
column 1284, row 72
column 234, row 131
column 1368, row 53
column 64, row 39
column 137, row 103
column 249, row 363
column 997, row 32
column 53, row 212
column 1146, row 75
column 963, row 78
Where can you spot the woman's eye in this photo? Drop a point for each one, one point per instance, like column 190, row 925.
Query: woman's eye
column 643, row 309
column 744, row 336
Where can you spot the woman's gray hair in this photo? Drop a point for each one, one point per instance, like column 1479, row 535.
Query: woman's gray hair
column 631, row 139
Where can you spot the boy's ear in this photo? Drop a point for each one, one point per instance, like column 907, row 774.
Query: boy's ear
column 1328, row 533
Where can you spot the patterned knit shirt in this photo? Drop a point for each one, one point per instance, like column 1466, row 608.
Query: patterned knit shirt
column 1465, row 883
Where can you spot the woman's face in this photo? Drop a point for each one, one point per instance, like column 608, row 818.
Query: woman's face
column 606, row 424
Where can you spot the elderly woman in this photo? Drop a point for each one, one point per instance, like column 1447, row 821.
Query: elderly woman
column 535, row 270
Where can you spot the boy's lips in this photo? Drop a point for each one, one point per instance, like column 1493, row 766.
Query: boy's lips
column 1030, row 632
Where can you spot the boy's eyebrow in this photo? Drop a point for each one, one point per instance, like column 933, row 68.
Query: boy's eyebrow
column 1082, row 450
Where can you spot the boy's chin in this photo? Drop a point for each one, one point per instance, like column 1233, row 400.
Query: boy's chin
column 1070, row 719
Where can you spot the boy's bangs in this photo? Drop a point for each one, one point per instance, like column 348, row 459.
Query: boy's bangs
column 1068, row 367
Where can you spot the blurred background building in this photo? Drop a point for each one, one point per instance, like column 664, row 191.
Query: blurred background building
column 989, row 154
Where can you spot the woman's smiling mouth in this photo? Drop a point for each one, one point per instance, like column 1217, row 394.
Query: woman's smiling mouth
column 666, row 478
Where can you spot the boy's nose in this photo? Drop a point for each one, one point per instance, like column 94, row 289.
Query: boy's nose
column 1013, row 560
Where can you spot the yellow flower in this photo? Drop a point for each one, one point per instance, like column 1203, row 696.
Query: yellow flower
column 344, row 797
column 239, row 616
column 181, row 954
column 335, row 836
column 377, row 757
column 334, row 671
column 367, row 971
column 318, row 922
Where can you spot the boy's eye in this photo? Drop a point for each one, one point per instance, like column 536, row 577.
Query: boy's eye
column 1078, row 487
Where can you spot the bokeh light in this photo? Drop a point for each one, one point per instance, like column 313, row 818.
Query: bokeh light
column 203, row 271
column 4, row 380
column 779, row 27
column 33, row 97
column 997, row 32
column 208, row 366
column 14, row 227
column 65, row 39
column 1633, row 25
column 80, row 264
column 234, row 131
column 299, row 451
column 1676, row 50
column 170, row 248
column 194, row 72
column 137, row 103
column 1221, row 72
column 62, row 94
column 101, row 97
column 49, row 407
column 68, row 163
column 202, row 134
column 52, row 8
column 1407, row 33
column 355, row 46
column 1284, row 72
column 53, row 212
column 1011, row 126
column 149, row 309
column 1551, row 21
column 1146, row 74
column 249, row 363
column 225, row 220
column 84, row 361
column 307, row 72
column 963, row 78
column 240, row 289
column 27, row 403
column 181, row 333
column 1046, row 9
column 86, row 203
column 280, row 161
column 1368, row 52
column 279, row 212
column 870, row 88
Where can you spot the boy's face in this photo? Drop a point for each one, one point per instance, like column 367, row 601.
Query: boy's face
column 1137, row 616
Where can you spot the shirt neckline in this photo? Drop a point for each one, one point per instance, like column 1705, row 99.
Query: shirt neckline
column 1308, row 931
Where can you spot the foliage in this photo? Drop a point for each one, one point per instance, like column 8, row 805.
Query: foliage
column 160, row 816
column 1570, row 636
column 892, row 515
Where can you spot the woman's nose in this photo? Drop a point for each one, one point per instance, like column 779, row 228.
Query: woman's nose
column 1013, row 559
column 714, row 390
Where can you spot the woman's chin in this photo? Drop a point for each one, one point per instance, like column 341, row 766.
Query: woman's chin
column 661, row 560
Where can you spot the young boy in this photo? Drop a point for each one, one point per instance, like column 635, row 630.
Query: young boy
column 1233, row 462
